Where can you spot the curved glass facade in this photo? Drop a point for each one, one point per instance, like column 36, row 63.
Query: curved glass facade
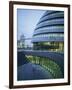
column 50, row 30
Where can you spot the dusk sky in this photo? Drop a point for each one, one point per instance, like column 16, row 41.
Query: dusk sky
column 26, row 21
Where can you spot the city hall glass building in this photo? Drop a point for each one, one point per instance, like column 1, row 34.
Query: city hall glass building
column 49, row 32
column 47, row 53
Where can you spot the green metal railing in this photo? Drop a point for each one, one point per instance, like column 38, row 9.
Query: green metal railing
column 48, row 64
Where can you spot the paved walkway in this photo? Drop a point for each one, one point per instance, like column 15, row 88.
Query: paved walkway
column 31, row 71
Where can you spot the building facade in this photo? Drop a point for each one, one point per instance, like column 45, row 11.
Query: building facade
column 49, row 32
column 21, row 42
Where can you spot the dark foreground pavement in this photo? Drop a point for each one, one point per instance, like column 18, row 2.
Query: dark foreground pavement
column 31, row 71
